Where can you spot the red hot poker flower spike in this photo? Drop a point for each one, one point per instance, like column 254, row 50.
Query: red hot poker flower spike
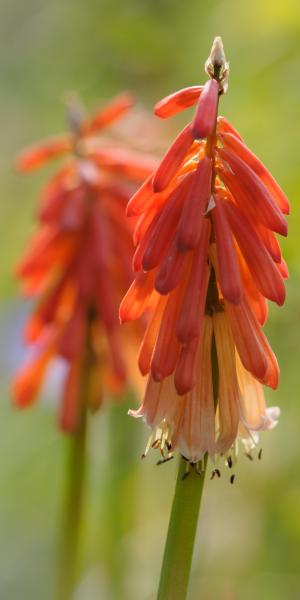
column 78, row 264
column 223, row 208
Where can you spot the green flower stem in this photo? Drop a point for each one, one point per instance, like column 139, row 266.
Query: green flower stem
column 179, row 546
column 75, row 484
column 181, row 534
column 68, row 565
column 120, row 487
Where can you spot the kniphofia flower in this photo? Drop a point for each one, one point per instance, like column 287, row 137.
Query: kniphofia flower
column 207, row 260
column 78, row 263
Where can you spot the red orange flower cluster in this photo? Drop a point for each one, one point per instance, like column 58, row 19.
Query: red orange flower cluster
column 206, row 261
column 78, row 264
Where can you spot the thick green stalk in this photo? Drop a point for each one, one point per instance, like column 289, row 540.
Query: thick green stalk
column 181, row 534
column 182, row 529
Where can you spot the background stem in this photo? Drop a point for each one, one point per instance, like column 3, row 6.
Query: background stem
column 72, row 511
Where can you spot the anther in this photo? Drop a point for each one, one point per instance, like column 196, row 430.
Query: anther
column 232, row 478
column 215, row 472
column 229, row 462
column 249, row 456
column 260, row 454
column 164, row 460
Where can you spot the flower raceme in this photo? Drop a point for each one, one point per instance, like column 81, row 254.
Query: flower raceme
column 207, row 260
column 78, row 263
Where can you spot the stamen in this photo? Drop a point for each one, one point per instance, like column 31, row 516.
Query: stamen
column 215, row 472
column 164, row 460
column 187, row 471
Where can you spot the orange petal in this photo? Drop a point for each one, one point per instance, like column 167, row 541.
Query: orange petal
column 259, row 201
column 166, row 349
column 247, row 337
column 230, row 141
column 197, row 198
column 178, row 101
column 185, row 373
column 137, row 298
column 192, row 310
column 206, row 112
column 150, row 336
column 255, row 299
column 197, row 429
column 171, row 269
column 173, row 159
column 124, row 163
column 72, row 339
column 228, row 389
column 263, row 269
column 142, row 198
column 111, row 111
column 283, row 269
column 37, row 156
column 165, row 226
column 29, row 379
column 229, row 271
column 252, row 401
column 223, row 126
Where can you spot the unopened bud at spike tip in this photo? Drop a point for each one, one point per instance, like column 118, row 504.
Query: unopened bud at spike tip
column 217, row 66
column 217, row 54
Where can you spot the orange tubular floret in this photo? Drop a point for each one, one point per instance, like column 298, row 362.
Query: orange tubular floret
column 124, row 163
column 171, row 269
column 185, row 373
column 259, row 196
column 37, row 156
column 256, row 300
column 173, row 159
column 271, row 377
column 230, row 141
column 191, row 222
column 137, row 298
column 191, row 312
column 29, row 379
column 223, row 126
column 246, row 333
column 150, row 336
column 269, row 240
column 197, row 430
column 110, row 112
column 283, row 269
column 228, row 393
column 141, row 200
column 229, row 272
column 205, row 116
column 166, row 349
column 165, row 225
column 137, row 260
column 263, row 269
column 178, row 101
column 73, row 334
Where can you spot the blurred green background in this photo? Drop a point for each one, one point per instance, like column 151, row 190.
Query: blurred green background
column 249, row 537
